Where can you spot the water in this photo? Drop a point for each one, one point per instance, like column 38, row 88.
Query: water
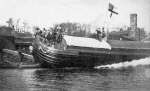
column 128, row 77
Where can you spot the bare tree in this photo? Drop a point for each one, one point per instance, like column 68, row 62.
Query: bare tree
column 10, row 23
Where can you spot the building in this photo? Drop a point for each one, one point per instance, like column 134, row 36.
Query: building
column 133, row 32
column 133, row 21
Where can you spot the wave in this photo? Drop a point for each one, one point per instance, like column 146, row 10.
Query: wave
column 134, row 63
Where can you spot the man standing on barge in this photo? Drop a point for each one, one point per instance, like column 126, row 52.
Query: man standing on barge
column 100, row 33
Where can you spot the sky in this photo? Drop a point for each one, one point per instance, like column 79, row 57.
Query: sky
column 94, row 12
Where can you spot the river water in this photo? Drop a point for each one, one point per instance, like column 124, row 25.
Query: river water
column 129, row 76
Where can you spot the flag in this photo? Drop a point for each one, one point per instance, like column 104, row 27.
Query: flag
column 111, row 6
column 111, row 9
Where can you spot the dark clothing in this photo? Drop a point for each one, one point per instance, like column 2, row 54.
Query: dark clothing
column 103, row 34
column 99, row 34
column 49, row 37
column 21, row 56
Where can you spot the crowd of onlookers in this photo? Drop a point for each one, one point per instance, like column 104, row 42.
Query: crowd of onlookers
column 55, row 35
column 51, row 36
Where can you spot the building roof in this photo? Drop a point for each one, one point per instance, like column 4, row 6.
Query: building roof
column 129, row 44
column 22, row 35
column 6, row 31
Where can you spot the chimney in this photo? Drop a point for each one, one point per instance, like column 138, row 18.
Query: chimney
column 133, row 21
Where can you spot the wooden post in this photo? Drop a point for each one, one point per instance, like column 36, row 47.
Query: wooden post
column 1, row 56
column 20, row 56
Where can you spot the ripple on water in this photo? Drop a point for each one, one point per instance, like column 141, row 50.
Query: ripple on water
column 124, row 79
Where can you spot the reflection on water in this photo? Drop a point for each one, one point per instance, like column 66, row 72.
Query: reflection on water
column 125, row 79
column 127, row 76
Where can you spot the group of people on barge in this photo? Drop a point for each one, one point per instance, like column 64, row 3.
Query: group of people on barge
column 55, row 35
column 52, row 36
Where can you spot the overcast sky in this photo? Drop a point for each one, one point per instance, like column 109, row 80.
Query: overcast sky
column 47, row 12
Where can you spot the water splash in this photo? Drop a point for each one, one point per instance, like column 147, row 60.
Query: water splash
column 134, row 63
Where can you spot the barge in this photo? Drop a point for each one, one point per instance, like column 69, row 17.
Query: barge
column 87, row 52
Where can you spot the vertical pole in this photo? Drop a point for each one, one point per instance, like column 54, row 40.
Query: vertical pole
column 108, row 25
column 20, row 56
column 139, row 35
column 1, row 56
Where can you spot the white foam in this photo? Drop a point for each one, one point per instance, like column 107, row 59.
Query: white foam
column 134, row 63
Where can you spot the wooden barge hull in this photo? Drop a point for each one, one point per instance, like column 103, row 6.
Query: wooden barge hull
column 58, row 60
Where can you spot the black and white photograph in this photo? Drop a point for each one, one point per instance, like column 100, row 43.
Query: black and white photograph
column 74, row 45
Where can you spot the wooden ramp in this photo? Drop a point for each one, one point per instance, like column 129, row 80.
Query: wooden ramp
column 16, row 53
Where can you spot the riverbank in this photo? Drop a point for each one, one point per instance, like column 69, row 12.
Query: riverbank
column 14, row 61
column 18, row 42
